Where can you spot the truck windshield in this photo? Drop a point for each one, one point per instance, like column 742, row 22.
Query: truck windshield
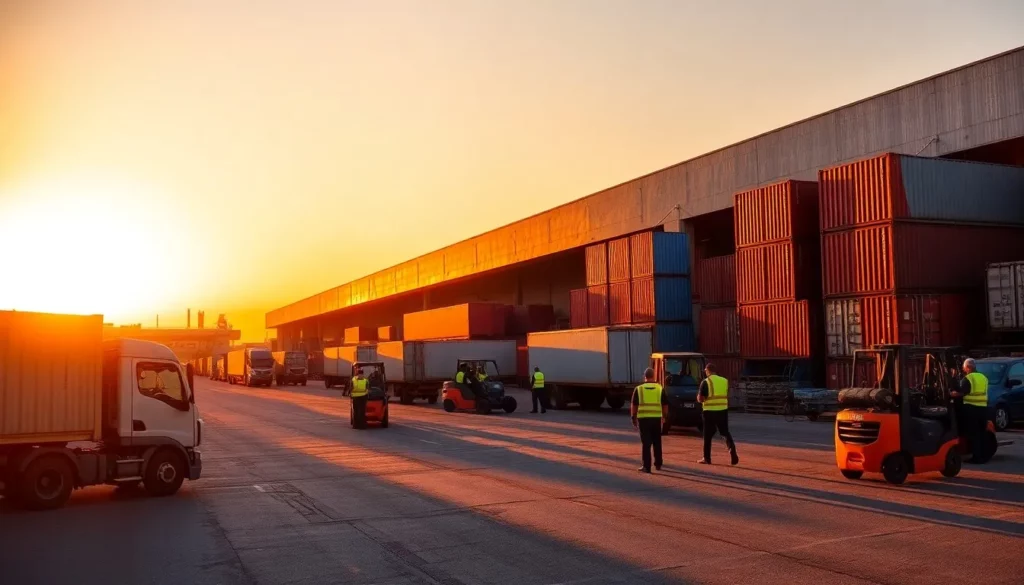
column 261, row 359
column 682, row 371
column 992, row 370
column 295, row 358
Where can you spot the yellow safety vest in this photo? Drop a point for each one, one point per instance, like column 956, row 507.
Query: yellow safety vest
column 481, row 377
column 538, row 380
column 718, row 394
column 649, row 398
column 460, row 378
column 359, row 388
column 979, row 390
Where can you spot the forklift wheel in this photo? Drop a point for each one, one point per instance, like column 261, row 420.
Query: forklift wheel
column 989, row 449
column 852, row 473
column 894, row 468
column 449, row 406
column 953, row 463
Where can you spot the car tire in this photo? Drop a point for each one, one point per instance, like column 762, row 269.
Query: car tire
column 164, row 473
column 953, row 463
column 47, row 483
column 895, row 468
column 1002, row 418
column 852, row 473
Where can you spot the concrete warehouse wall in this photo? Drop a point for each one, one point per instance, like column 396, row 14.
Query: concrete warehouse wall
column 979, row 104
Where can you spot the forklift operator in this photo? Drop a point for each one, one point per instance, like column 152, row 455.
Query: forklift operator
column 974, row 391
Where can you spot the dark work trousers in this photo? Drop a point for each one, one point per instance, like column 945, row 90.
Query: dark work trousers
column 359, row 412
column 977, row 419
column 539, row 399
column 716, row 420
column 650, row 436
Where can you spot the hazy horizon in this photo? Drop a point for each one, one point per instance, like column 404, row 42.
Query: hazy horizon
column 237, row 157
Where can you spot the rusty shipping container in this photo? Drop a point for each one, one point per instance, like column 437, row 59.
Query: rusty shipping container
column 618, row 260
column 466, row 321
column 357, row 335
column 51, row 373
column 665, row 298
column 619, row 303
column 719, row 331
column 714, row 280
column 783, row 211
column 729, row 367
column 777, row 330
column 780, row 271
column 578, row 308
column 909, row 257
column 861, row 322
column 596, row 258
column 597, row 306
column 659, row 254
column 896, row 186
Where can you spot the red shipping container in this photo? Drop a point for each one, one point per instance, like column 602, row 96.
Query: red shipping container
column 776, row 212
column 781, row 271
column 715, row 280
column 928, row 320
column 908, row 257
column 466, row 321
column 597, row 306
column 839, row 373
column 730, row 368
column 719, row 331
column 777, row 330
column 596, row 257
column 619, row 303
column 578, row 306
column 618, row 260
column 523, row 319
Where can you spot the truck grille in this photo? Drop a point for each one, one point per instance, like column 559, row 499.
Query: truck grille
column 858, row 432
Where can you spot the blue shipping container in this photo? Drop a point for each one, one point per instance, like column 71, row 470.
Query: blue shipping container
column 659, row 254
column 940, row 189
column 663, row 298
column 674, row 337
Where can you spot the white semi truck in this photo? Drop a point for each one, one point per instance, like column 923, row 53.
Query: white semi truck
column 418, row 369
column 80, row 411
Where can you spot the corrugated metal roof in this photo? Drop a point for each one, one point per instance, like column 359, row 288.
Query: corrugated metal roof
column 967, row 107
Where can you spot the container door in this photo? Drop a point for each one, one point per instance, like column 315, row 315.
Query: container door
column 640, row 345
column 1003, row 302
column 619, row 359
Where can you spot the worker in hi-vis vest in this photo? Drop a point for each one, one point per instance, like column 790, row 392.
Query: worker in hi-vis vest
column 360, row 390
column 537, row 392
column 974, row 392
column 714, row 396
column 648, row 409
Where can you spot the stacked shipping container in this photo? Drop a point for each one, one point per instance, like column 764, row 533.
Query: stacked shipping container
column 719, row 331
column 641, row 279
column 904, row 240
column 778, row 271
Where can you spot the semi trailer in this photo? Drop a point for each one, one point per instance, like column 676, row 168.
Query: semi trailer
column 338, row 362
column 418, row 369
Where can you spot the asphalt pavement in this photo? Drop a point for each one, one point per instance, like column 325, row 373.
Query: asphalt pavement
column 291, row 494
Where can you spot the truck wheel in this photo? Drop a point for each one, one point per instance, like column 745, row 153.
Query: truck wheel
column 47, row 483
column 164, row 473
column 303, row 382
column 616, row 403
column 953, row 463
column 405, row 399
column 894, row 468
column 852, row 473
column 432, row 399
column 449, row 405
column 558, row 400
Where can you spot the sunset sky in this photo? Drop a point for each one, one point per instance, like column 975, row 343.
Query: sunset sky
column 239, row 155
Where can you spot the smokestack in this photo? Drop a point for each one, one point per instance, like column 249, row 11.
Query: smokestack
column 201, row 319
column 188, row 319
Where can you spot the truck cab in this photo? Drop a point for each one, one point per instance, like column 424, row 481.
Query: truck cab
column 680, row 374
column 290, row 367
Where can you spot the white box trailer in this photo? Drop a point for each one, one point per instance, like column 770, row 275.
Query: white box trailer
column 588, row 366
column 417, row 369
column 338, row 362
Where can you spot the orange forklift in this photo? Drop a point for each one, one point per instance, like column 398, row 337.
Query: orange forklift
column 897, row 429
column 475, row 395
column 377, row 394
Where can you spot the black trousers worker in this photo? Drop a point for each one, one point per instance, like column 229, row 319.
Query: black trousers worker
column 717, row 420
column 539, row 398
column 976, row 418
column 650, row 439
column 359, row 412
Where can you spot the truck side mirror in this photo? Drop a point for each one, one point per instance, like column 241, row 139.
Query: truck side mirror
column 190, row 373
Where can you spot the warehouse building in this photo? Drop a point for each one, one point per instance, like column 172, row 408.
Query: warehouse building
column 975, row 112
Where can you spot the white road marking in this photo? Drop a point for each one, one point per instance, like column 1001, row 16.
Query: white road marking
column 259, row 488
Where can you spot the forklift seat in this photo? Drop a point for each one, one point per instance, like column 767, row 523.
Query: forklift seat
column 933, row 412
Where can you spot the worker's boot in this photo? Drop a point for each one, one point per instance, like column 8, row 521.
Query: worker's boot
column 735, row 457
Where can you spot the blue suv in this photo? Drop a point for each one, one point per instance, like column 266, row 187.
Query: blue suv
column 1005, row 389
